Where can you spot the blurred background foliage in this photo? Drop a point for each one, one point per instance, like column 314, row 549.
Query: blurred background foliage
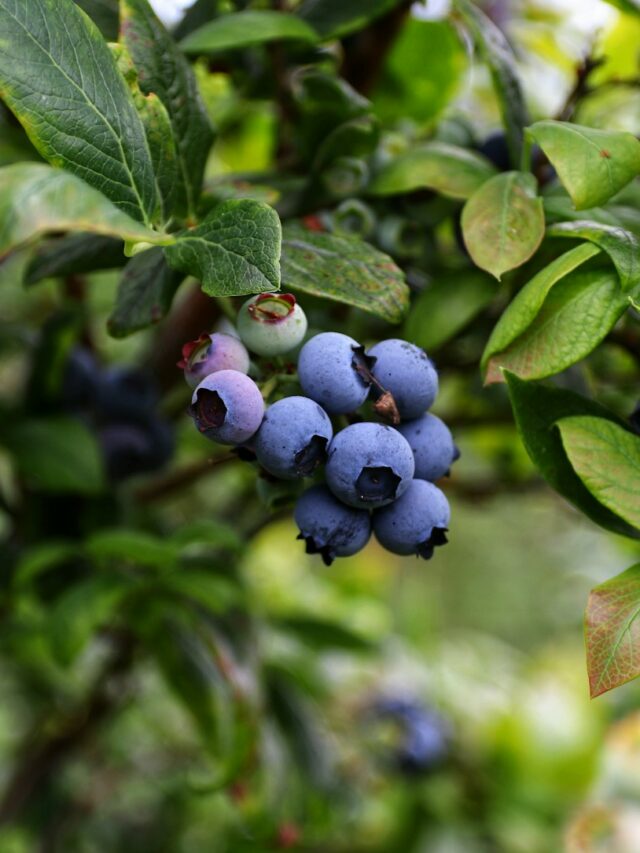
column 176, row 675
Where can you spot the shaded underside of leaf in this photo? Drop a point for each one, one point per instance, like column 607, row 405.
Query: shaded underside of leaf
column 344, row 269
column 75, row 254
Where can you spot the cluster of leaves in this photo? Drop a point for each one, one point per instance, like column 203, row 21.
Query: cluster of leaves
column 106, row 152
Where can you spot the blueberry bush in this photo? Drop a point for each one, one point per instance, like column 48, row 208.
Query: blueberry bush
column 327, row 217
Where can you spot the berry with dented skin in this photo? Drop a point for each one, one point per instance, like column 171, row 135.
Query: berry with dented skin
column 406, row 372
column 293, row 439
column 227, row 407
column 271, row 323
column 333, row 371
column 211, row 353
column 432, row 446
column 328, row 527
column 369, row 465
column 416, row 523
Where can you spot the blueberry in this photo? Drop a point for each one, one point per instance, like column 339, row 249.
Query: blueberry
column 496, row 149
column 80, row 377
column 407, row 373
column 369, row 465
column 129, row 448
column 126, row 394
column 425, row 735
column 416, row 523
column 293, row 438
column 271, row 323
column 210, row 353
column 328, row 527
column 432, row 446
column 227, row 407
column 332, row 370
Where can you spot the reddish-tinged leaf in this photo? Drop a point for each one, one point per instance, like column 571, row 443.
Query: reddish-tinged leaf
column 612, row 632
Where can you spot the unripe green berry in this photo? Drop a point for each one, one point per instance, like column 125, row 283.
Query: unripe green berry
column 271, row 323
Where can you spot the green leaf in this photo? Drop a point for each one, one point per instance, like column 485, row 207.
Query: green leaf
column 606, row 457
column 57, row 454
column 593, row 165
column 498, row 56
column 621, row 245
column 214, row 593
column 524, row 308
column 335, row 18
column 452, row 171
column 234, row 251
column 629, row 7
column 355, row 138
column 104, row 13
column 206, row 534
column 574, row 318
column 132, row 547
column 404, row 89
column 503, row 222
column 59, row 78
column 80, row 611
column 322, row 634
column 612, row 632
column 536, row 409
column 75, row 253
column 244, row 29
column 41, row 558
column 446, row 306
column 164, row 71
column 36, row 199
column 145, row 293
column 344, row 269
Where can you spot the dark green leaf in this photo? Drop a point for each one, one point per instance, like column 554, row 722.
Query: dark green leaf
column 497, row 54
column 446, row 306
column 593, row 165
column 41, row 558
column 76, row 253
column 621, row 245
column 612, row 632
column 133, row 547
column 207, row 534
column 81, row 610
column 606, row 457
column 528, row 302
column 234, row 251
column 244, row 29
column 503, row 222
column 104, row 13
column 629, row 7
column 36, row 199
column 576, row 315
column 345, row 269
column 537, row 408
column 145, row 293
column 335, row 18
column 59, row 78
column 57, row 454
column 451, row 171
column 214, row 593
column 323, row 634
column 355, row 138
column 163, row 70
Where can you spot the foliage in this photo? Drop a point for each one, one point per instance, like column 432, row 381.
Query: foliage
column 145, row 188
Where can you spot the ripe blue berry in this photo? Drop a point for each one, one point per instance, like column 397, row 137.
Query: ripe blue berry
column 416, row 523
column 125, row 394
column 210, row 353
column 271, row 323
column 328, row 527
column 425, row 735
column 80, row 378
column 407, row 373
column 135, row 448
column 293, row 438
column 332, row 371
column 432, row 446
column 227, row 407
column 369, row 465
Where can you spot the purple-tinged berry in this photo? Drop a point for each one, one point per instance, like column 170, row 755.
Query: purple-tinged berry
column 211, row 353
column 227, row 407
column 328, row 527
column 125, row 394
column 333, row 371
column 406, row 372
column 369, row 465
column 432, row 446
column 134, row 448
column 293, row 439
column 416, row 523
column 271, row 323
column 424, row 742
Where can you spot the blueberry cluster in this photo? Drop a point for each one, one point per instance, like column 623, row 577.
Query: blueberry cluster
column 121, row 405
column 378, row 476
